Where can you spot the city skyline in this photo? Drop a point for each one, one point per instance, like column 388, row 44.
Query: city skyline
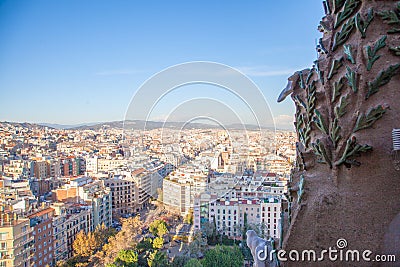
column 58, row 68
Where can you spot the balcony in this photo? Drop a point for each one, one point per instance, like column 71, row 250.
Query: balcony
column 6, row 257
column 24, row 242
column 23, row 233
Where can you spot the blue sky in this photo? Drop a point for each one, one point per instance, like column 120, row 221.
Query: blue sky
column 76, row 61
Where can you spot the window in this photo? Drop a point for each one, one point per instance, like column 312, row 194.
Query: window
column 3, row 236
column 3, row 245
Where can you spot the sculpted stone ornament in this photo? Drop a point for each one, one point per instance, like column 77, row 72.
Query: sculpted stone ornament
column 263, row 251
column 346, row 109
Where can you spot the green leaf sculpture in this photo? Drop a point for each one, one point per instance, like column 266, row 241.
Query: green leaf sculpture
column 334, row 133
column 351, row 77
column 352, row 149
column 371, row 54
column 337, row 87
column 342, row 36
column 392, row 17
column 367, row 120
column 383, row 78
column 319, row 122
column 349, row 54
column 336, row 64
column 362, row 25
column 337, row 5
column 340, row 110
column 349, row 7
column 395, row 50
column 320, row 151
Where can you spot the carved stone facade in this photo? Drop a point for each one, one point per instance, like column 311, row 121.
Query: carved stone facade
column 345, row 184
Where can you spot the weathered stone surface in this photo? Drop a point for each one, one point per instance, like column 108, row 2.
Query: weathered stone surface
column 352, row 189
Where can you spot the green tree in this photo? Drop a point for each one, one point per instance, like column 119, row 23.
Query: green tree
column 223, row 256
column 189, row 217
column 158, row 242
column 210, row 230
column 193, row 263
column 127, row 258
column 197, row 247
column 179, row 261
column 158, row 259
column 158, row 228
column 144, row 245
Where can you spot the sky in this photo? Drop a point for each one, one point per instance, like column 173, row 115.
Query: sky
column 71, row 62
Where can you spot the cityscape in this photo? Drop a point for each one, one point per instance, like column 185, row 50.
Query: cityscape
column 199, row 133
column 58, row 184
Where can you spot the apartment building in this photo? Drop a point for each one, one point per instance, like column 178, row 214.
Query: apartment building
column 142, row 179
column 96, row 195
column 226, row 215
column 16, row 240
column 59, row 221
column 13, row 190
column 88, row 192
column 181, row 187
column 96, row 165
column 177, row 195
column 270, row 216
column 41, row 223
column 78, row 218
column 17, row 169
column 123, row 195
column 230, row 215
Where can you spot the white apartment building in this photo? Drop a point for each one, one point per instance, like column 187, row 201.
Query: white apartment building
column 229, row 215
column 180, row 188
column 271, row 210
column 177, row 195
column 60, row 241
column 96, row 165
column 98, row 197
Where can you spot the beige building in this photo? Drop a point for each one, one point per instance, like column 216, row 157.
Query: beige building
column 16, row 240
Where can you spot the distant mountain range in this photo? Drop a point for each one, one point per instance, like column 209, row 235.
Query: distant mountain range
column 133, row 124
